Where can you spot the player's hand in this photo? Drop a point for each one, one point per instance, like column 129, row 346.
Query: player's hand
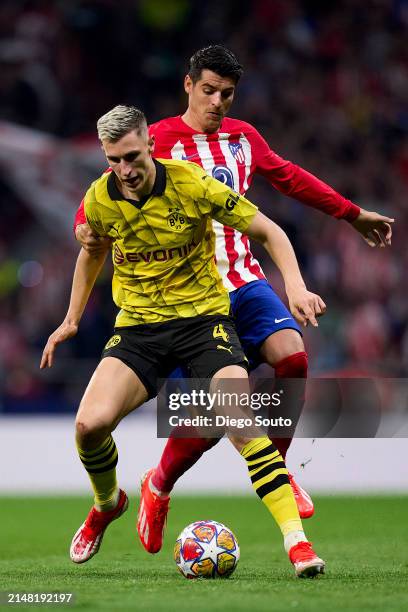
column 306, row 306
column 65, row 331
column 90, row 242
column 374, row 228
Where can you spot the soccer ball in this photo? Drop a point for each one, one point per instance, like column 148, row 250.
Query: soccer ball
column 206, row 549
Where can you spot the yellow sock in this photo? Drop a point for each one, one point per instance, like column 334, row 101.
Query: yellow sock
column 100, row 463
column 270, row 480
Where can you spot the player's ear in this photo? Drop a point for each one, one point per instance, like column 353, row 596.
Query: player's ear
column 151, row 143
column 188, row 83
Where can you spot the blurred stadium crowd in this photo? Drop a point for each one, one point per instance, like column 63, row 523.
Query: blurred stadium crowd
column 325, row 83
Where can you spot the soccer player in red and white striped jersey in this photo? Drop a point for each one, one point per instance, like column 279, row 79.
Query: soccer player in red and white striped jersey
column 233, row 154
column 233, row 151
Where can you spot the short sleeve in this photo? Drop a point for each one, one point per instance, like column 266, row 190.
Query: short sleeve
column 226, row 205
column 91, row 210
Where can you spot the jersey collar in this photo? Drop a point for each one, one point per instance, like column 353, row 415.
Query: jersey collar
column 187, row 128
column 158, row 187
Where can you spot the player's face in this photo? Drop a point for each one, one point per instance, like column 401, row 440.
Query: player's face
column 131, row 160
column 209, row 100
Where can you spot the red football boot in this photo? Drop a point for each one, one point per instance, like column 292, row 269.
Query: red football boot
column 303, row 499
column 87, row 540
column 305, row 561
column 152, row 516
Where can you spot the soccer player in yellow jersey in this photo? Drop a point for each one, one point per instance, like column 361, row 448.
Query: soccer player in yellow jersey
column 173, row 310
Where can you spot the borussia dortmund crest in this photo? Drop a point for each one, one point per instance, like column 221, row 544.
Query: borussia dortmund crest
column 176, row 220
column 113, row 342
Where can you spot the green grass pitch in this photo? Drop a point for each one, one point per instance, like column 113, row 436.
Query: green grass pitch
column 362, row 539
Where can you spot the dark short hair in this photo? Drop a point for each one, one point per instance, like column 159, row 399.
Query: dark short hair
column 216, row 58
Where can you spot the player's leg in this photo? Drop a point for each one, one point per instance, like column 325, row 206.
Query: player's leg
column 182, row 450
column 113, row 391
column 123, row 380
column 198, row 344
column 180, row 453
column 270, row 481
column 266, row 466
column 285, row 352
column 269, row 334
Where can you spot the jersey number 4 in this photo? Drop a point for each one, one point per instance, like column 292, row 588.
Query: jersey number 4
column 219, row 332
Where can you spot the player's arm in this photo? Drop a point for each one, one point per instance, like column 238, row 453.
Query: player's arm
column 88, row 239
column 304, row 305
column 292, row 180
column 86, row 272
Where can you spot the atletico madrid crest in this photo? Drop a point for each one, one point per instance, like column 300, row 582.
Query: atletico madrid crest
column 237, row 151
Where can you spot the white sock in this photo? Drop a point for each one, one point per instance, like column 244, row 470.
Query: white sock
column 293, row 538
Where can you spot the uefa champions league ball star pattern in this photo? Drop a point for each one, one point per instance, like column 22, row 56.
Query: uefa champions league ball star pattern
column 206, row 549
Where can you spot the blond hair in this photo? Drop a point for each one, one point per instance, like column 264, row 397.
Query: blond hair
column 119, row 121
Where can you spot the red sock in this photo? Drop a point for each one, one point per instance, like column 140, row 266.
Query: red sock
column 294, row 366
column 179, row 455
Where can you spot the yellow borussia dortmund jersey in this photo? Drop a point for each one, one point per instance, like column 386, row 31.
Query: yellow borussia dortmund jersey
column 163, row 246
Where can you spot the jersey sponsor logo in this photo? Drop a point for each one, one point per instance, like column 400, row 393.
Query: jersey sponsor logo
column 224, row 175
column 237, row 151
column 280, row 320
column 114, row 341
column 232, row 201
column 157, row 255
column 176, row 221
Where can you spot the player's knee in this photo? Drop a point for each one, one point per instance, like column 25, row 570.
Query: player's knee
column 281, row 345
column 292, row 366
column 90, row 431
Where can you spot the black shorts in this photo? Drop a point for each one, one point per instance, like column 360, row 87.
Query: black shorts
column 203, row 344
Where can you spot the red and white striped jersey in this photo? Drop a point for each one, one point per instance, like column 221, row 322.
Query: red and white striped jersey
column 233, row 155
